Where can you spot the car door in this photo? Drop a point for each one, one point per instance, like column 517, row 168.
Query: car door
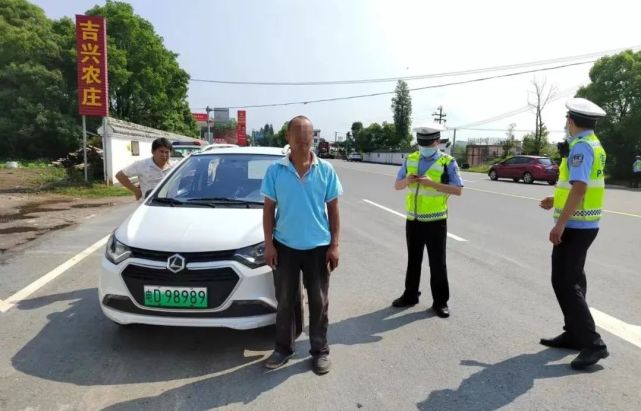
column 506, row 170
column 519, row 167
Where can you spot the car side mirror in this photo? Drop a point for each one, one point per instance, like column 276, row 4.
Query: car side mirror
column 148, row 192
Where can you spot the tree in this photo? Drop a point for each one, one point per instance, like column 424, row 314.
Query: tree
column 509, row 143
column 402, row 109
column 616, row 87
column 37, row 112
column 533, row 144
column 146, row 84
column 542, row 96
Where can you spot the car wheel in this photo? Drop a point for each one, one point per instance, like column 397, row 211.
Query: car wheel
column 528, row 178
column 551, row 183
column 493, row 175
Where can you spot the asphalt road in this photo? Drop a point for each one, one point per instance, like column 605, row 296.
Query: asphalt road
column 58, row 351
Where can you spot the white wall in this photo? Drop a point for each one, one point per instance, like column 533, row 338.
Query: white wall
column 385, row 158
column 120, row 153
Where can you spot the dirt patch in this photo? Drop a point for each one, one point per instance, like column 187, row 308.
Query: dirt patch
column 26, row 216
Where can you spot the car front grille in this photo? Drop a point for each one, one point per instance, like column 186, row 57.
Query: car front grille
column 220, row 282
column 198, row 257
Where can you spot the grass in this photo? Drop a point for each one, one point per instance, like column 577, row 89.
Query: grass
column 481, row 168
column 39, row 176
column 90, row 190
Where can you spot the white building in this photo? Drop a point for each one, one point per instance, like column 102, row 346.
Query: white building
column 126, row 142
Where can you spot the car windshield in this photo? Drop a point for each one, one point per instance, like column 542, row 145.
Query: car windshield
column 545, row 161
column 184, row 151
column 218, row 177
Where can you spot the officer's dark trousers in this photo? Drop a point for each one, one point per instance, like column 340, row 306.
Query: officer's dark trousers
column 570, row 285
column 636, row 180
column 287, row 284
column 432, row 235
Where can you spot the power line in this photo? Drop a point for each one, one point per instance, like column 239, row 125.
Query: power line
column 454, row 83
column 422, row 76
column 513, row 113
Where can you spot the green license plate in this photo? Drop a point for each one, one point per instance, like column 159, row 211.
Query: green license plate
column 175, row 297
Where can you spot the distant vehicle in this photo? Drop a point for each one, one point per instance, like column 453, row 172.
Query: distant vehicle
column 181, row 149
column 323, row 150
column 526, row 168
column 354, row 157
column 217, row 146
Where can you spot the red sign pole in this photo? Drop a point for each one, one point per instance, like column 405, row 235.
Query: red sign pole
column 241, row 136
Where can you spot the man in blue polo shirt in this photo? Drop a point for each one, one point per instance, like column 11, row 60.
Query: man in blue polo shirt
column 301, row 224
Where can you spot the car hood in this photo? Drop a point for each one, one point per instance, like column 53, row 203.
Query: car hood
column 191, row 229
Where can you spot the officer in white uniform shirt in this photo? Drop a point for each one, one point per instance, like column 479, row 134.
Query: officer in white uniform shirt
column 149, row 171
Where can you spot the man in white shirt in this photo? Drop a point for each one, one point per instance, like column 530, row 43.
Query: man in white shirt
column 149, row 171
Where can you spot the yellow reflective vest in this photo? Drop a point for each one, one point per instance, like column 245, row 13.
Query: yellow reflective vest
column 425, row 203
column 591, row 207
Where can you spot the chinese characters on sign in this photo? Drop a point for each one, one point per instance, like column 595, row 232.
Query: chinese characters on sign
column 91, row 57
column 241, row 136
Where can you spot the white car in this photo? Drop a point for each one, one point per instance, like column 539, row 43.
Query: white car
column 217, row 146
column 354, row 157
column 193, row 253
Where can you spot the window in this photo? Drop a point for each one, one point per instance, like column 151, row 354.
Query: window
column 545, row 161
column 135, row 148
column 233, row 176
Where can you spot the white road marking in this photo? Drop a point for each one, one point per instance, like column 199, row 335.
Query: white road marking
column 10, row 302
column 389, row 210
column 628, row 332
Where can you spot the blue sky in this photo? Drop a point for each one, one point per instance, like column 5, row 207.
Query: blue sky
column 288, row 40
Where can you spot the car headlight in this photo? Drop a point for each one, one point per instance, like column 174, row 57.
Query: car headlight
column 252, row 256
column 116, row 251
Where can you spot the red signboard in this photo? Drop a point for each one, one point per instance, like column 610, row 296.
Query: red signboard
column 91, row 61
column 241, row 136
column 200, row 117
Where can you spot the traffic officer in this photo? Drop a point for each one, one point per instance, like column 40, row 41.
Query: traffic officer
column 430, row 177
column 636, row 172
column 578, row 204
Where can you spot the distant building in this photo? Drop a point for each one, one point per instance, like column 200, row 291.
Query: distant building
column 484, row 150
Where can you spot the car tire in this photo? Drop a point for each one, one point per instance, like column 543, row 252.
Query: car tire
column 493, row 175
column 528, row 178
column 551, row 183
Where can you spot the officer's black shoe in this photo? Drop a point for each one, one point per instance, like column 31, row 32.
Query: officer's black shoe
column 404, row 301
column 561, row 341
column 442, row 311
column 588, row 357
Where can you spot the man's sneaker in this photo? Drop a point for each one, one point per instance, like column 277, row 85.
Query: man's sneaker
column 277, row 360
column 321, row 364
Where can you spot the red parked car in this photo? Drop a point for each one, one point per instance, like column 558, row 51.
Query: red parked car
column 526, row 168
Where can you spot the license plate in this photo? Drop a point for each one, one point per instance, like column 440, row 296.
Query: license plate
column 176, row 297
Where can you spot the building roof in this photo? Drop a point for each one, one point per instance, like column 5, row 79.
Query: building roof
column 136, row 131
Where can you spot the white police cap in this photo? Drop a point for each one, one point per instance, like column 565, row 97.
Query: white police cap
column 581, row 107
column 429, row 133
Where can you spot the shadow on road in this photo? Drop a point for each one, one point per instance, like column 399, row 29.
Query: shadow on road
column 80, row 346
column 497, row 385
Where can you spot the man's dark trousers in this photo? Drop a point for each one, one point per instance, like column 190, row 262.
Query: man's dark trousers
column 570, row 285
column 433, row 235
column 313, row 264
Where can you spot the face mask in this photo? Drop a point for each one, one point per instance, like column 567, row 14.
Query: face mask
column 427, row 151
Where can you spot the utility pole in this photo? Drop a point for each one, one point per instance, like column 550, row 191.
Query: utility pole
column 439, row 117
column 209, row 110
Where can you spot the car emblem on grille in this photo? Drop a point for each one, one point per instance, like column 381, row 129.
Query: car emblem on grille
column 176, row 263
